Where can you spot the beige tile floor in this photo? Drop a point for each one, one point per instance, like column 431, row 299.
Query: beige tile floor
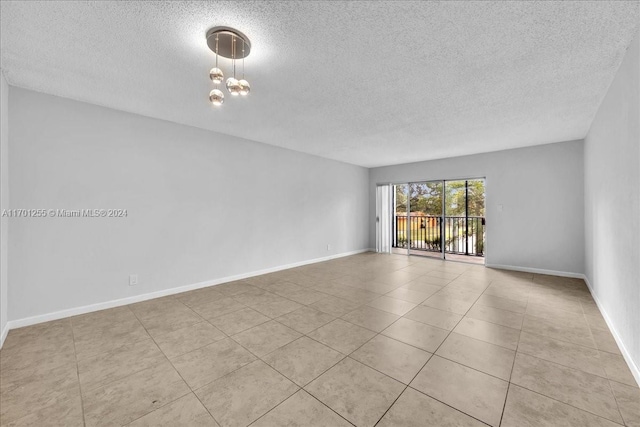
column 366, row 340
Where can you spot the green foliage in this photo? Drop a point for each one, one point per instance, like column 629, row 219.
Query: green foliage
column 426, row 198
column 433, row 244
column 455, row 198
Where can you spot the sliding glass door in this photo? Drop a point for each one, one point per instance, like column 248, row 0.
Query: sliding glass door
column 443, row 219
column 425, row 218
column 417, row 218
column 464, row 217
column 400, row 218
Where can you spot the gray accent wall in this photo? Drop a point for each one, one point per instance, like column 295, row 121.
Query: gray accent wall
column 541, row 225
column 201, row 205
column 612, row 205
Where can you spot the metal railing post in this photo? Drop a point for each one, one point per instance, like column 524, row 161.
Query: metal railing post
column 466, row 217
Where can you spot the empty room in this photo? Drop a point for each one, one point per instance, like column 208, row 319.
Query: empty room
column 320, row 213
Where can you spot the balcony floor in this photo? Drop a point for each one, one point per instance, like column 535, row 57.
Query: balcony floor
column 471, row 259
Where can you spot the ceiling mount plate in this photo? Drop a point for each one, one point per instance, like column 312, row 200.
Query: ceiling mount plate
column 225, row 36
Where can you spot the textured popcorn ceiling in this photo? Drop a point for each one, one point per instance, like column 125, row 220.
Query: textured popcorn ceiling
column 369, row 83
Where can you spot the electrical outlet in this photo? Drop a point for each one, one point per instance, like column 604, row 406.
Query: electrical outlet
column 328, row 247
column 133, row 279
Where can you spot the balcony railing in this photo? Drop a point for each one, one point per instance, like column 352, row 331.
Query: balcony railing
column 463, row 235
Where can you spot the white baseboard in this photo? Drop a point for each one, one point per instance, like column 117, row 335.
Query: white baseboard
column 3, row 334
column 536, row 270
column 19, row 323
column 625, row 353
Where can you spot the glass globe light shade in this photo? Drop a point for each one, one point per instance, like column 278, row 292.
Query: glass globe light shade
column 216, row 97
column 216, row 75
column 245, row 87
column 233, row 86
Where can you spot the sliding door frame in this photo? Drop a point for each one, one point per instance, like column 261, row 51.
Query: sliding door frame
column 443, row 213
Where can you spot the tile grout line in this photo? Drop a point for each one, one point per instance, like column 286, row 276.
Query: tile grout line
column 148, row 337
column 615, row 399
column 258, row 358
column 280, row 347
column 515, row 354
column 568, row 404
column 312, row 288
column 508, row 382
column 69, row 322
column 624, row 421
column 513, row 364
column 345, row 357
column 420, row 370
column 90, row 355
column 231, row 337
column 564, row 365
column 298, row 391
column 178, row 372
column 301, row 388
column 174, row 368
column 75, row 354
column 425, row 363
column 555, row 363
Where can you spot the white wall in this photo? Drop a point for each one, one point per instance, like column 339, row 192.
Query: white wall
column 201, row 205
column 612, row 205
column 540, row 189
column 4, row 202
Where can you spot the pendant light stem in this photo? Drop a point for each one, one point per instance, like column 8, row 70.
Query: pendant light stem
column 217, row 37
column 233, row 53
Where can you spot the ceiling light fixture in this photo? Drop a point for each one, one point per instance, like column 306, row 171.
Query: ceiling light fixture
column 232, row 44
